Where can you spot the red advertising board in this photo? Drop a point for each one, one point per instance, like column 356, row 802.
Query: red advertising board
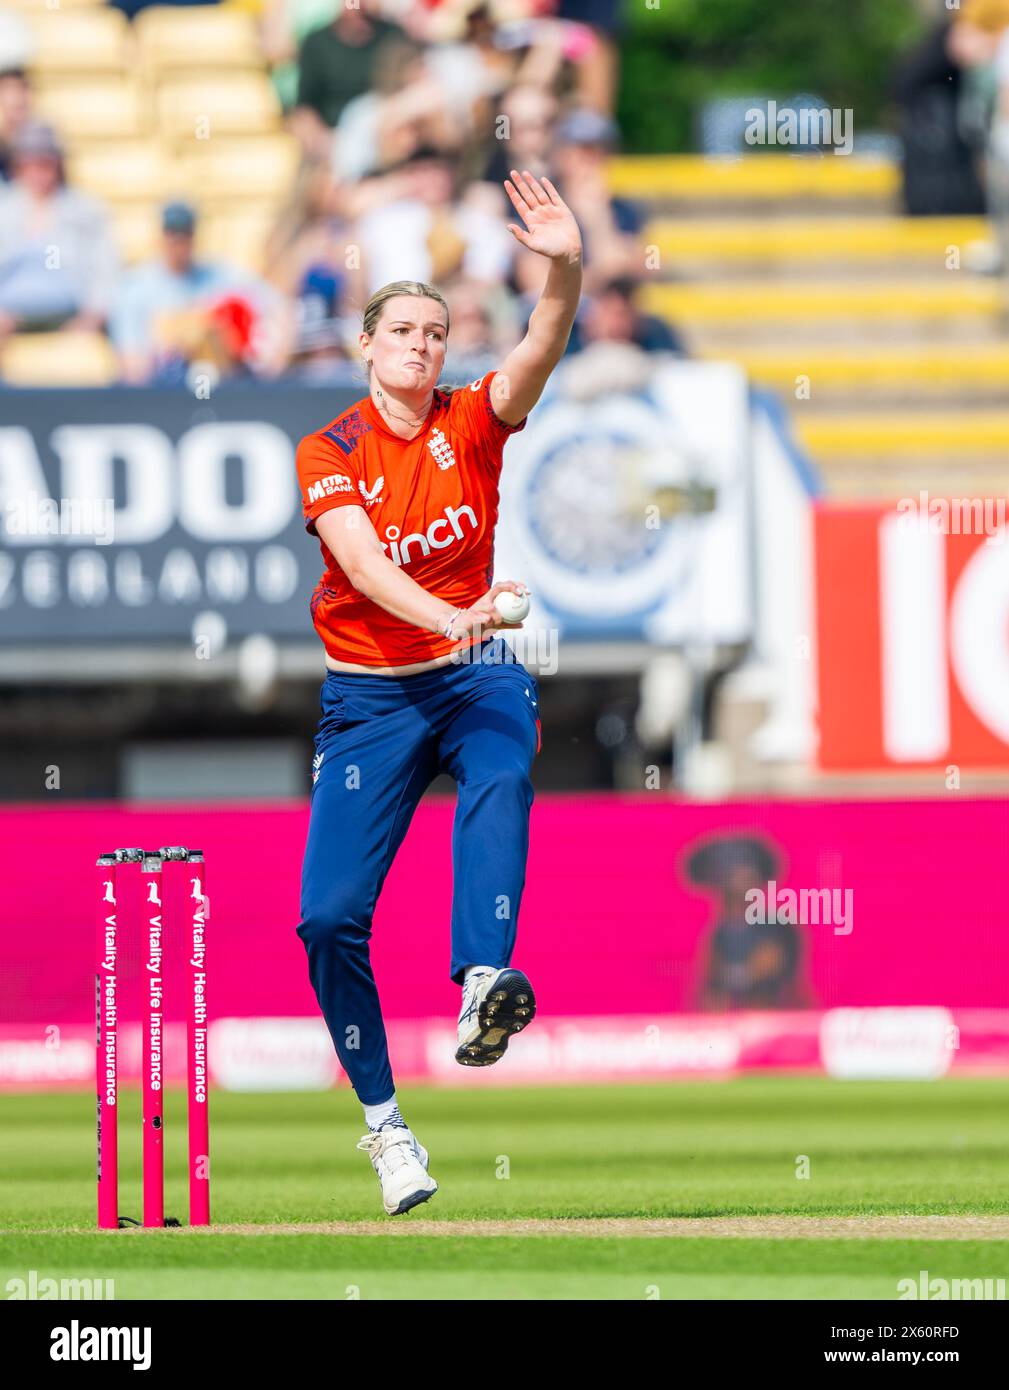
column 912, row 635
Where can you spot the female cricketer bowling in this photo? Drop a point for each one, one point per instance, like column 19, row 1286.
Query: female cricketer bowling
column 402, row 490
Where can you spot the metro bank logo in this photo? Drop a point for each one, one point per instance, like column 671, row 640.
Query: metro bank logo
column 912, row 636
column 328, row 487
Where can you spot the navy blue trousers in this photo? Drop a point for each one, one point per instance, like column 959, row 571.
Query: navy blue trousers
column 380, row 743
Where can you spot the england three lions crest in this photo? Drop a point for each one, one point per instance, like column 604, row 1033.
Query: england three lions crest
column 441, row 450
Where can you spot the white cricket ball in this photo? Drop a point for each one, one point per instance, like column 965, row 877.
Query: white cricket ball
column 512, row 607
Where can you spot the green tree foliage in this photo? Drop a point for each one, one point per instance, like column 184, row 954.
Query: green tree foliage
column 677, row 56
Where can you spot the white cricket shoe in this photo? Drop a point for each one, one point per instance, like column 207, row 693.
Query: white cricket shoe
column 495, row 1005
column 400, row 1163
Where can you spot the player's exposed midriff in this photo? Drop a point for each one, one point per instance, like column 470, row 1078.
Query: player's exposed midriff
column 412, row 670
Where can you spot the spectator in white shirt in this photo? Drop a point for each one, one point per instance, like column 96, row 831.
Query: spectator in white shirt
column 58, row 261
column 429, row 232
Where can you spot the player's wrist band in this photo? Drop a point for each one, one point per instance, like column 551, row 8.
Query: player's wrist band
column 448, row 626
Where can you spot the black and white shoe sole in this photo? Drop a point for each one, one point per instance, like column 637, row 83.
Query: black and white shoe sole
column 508, row 1008
column 413, row 1200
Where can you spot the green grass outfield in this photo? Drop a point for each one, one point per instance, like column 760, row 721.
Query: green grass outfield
column 724, row 1149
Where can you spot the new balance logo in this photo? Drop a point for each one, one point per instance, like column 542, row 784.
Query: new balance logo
column 441, row 449
column 402, row 549
column 372, row 495
column 326, row 487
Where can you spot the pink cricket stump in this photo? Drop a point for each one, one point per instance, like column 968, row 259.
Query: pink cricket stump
column 152, row 1052
column 107, row 1043
column 196, row 1047
column 185, row 907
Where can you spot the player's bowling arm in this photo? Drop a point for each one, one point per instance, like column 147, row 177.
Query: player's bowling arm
column 355, row 546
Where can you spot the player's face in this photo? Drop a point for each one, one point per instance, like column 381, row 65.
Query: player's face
column 408, row 345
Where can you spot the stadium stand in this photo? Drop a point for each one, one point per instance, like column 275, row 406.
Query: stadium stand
column 799, row 268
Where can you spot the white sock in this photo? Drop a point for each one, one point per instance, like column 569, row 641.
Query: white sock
column 378, row 1117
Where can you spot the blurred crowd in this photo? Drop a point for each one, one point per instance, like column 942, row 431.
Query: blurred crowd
column 953, row 90
column 408, row 114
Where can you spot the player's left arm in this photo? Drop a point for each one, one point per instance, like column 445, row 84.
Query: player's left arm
column 551, row 231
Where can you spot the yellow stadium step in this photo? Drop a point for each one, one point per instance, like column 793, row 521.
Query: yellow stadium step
column 238, row 236
column 66, row 358
column 107, row 110
column 860, row 478
column 85, row 40
column 28, row 7
column 969, row 367
column 124, row 169
column 775, row 301
column 811, row 239
column 136, row 227
column 920, row 432
column 232, row 171
column 223, row 103
column 212, row 36
column 763, row 178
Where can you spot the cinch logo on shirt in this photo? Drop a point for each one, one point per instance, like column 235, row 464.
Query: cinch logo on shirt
column 441, row 450
column 426, row 541
column 325, row 487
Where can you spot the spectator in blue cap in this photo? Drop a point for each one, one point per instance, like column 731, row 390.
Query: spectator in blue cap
column 175, row 282
column 321, row 333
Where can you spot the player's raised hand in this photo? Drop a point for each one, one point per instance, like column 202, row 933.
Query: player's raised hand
column 551, row 229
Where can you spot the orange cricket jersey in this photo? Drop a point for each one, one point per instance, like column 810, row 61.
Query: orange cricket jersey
column 433, row 501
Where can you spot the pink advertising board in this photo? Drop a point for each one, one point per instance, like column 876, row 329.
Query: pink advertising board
column 664, row 938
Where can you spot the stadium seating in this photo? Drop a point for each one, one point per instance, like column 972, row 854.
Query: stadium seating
column 127, row 169
column 176, row 104
column 693, row 179
column 907, row 371
column 237, row 235
column 856, row 241
column 81, row 43
column 70, row 358
column 219, row 103
column 180, row 39
column 95, row 110
column 889, row 350
column 875, row 303
column 240, row 169
column 29, row 7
